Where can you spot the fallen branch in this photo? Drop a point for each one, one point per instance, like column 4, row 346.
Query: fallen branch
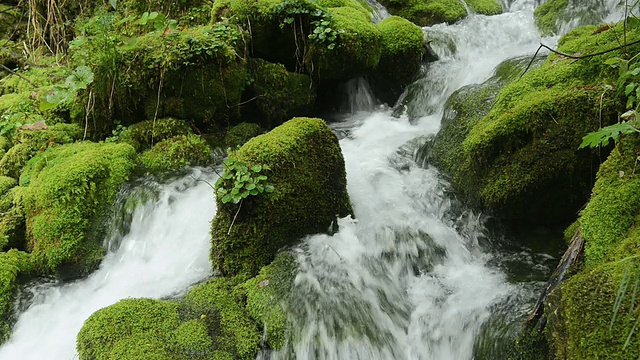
column 576, row 57
column 18, row 75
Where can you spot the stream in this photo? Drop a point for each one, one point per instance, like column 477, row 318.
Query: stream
column 414, row 276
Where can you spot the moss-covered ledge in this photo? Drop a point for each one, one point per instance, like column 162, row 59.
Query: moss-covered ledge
column 309, row 180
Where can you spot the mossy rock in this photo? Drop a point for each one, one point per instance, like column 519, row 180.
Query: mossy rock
column 267, row 297
column 238, row 135
column 580, row 313
column 307, row 172
column 175, row 153
column 228, row 324
column 485, row 7
column 14, row 266
column 12, row 219
column 144, row 134
column 521, row 160
column 357, row 50
column 612, row 212
column 29, row 142
column 427, row 12
column 554, row 13
column 131, row 329
column 196, row 74
column 278, row 94
column 402, row 51
column 547, row 15
column 66, row 193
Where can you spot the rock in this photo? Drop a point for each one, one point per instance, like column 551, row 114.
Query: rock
column 143, row 135
column 174, row 154
column 14, row 265
column 309, row 181
column 238, row 135
column 66, row 192
column 427, row 12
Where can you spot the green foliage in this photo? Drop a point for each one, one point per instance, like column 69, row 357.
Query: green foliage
column 14, row 265
column 80, row 79
column 309, row 180
column 67, row 192
column 322, row 29
column 175, row 153
column 239, row 181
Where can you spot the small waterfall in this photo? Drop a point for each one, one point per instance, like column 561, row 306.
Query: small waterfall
column 359, row 96
column 379, row 11
column 591, row 12
column 165, row 251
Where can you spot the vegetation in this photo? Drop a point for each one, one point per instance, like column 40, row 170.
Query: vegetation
column 307, row 172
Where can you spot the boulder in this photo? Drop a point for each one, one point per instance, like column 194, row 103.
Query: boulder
column 306, row 170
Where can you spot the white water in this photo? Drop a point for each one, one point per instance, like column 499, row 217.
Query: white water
column 166, row 250
column 407, row 280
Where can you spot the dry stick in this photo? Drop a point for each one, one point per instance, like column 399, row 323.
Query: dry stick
column 574, row 56
column 234, row 217
column 18, row 75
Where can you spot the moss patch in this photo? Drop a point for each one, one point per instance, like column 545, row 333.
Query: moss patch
column 144, row 134
column 485, row 7
column 402, row 51
column 238, row 135
column 175, row 153
column 13, row 265
column 427, row 12
column 548, row 14
column 307, row 171
column 67, row 190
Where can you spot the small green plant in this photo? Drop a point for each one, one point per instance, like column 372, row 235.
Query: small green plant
column 115, row 133
column 239, row 181
column 64, row 93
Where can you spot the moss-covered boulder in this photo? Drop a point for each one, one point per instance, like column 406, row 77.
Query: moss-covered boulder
column 277, row 94
column 232, row 330
column 485, row 7
column 132, row 329
column 551, row 15
column 308, row 175
column 238, row 135
column 580, row 313
column 29, row 142
column 14, row 265
column 143, row 135
column 267, row 298
column 427, row 12
column 12, row 217
column 402, row 51
column 175, row 153
column 521, row 159
column 66, row 191
column 358, row 47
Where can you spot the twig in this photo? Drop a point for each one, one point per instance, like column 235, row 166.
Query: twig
column 581, row 57
column 234, row 217
column 18, row 75
column 204, row 181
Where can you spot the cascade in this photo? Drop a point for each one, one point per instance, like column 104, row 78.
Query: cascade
column 411, row 277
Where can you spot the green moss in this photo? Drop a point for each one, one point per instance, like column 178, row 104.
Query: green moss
column 427, row 12
column 358, row 47
column 227, row 323
column 266, row 297
column 521, row 159
column 175, row 153
column 585, row 304
column 547, row 15
column 12, row 220
column 13, row 265
column 485, row 7
column 193, row 338
column 279, row 94
column 130, row 329
column 307, row 171
column 67, row 192
column 238, row 135
column 402, row 50
column 613, row 207
column 29, row 142
column 144, row 134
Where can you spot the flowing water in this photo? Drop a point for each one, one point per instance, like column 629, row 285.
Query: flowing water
column 415, row 276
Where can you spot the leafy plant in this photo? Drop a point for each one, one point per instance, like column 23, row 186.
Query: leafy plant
column 240, row 181
column 64, row 93
column 115, row 133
